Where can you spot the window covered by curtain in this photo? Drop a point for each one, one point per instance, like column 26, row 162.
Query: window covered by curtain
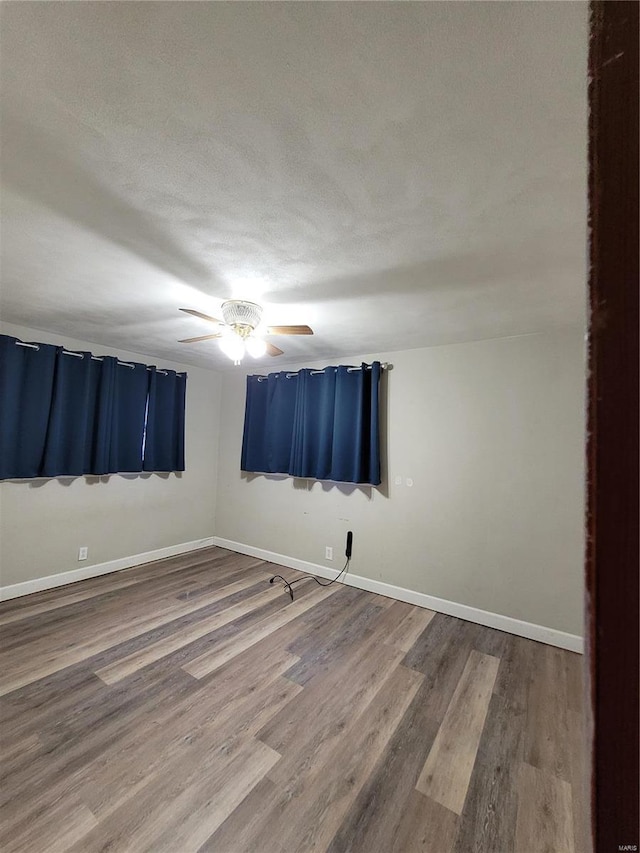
column 164, row 439
column 268, row 424
column 319, row 424
column 26, row 390
column 70, row 413
column 80, row 392
column 126, row 424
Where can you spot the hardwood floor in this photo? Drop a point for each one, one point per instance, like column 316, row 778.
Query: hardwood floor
column 188, row 705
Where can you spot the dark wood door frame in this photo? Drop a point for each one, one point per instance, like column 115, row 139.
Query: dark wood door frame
column 612, row 567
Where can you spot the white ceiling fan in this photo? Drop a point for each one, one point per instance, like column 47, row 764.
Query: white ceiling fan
column 239, row 330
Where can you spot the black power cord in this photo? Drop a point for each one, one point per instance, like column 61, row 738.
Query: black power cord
column 288, row 584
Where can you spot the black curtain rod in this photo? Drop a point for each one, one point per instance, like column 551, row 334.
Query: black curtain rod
column 384, row 366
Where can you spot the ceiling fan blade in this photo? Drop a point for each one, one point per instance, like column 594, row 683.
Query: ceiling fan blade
column 289, row 330
column 273, row 350
column 201, row 315
column 200, row 338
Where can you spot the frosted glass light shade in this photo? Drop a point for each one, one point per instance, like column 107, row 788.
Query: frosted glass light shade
column 256, row 347
column 233, row 346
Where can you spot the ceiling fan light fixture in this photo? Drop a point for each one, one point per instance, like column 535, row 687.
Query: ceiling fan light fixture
column 256, row 347
column 242, row 330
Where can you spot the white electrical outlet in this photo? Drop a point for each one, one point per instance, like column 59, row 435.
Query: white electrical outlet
column 83, row 553
column 328, row 553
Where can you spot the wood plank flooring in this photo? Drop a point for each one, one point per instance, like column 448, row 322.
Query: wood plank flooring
column 188, row 705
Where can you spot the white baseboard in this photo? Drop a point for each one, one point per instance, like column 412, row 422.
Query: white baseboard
column 39, row 584
column 529, row 630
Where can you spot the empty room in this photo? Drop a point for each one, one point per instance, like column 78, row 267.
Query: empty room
column 292, row 428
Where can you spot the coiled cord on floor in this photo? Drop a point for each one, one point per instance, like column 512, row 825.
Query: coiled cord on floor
column 289, row 584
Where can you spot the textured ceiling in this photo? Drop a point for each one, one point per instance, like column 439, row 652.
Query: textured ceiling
column 395, row 175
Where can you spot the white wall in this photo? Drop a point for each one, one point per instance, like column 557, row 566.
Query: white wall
column 44, row 521
column 492, row 435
